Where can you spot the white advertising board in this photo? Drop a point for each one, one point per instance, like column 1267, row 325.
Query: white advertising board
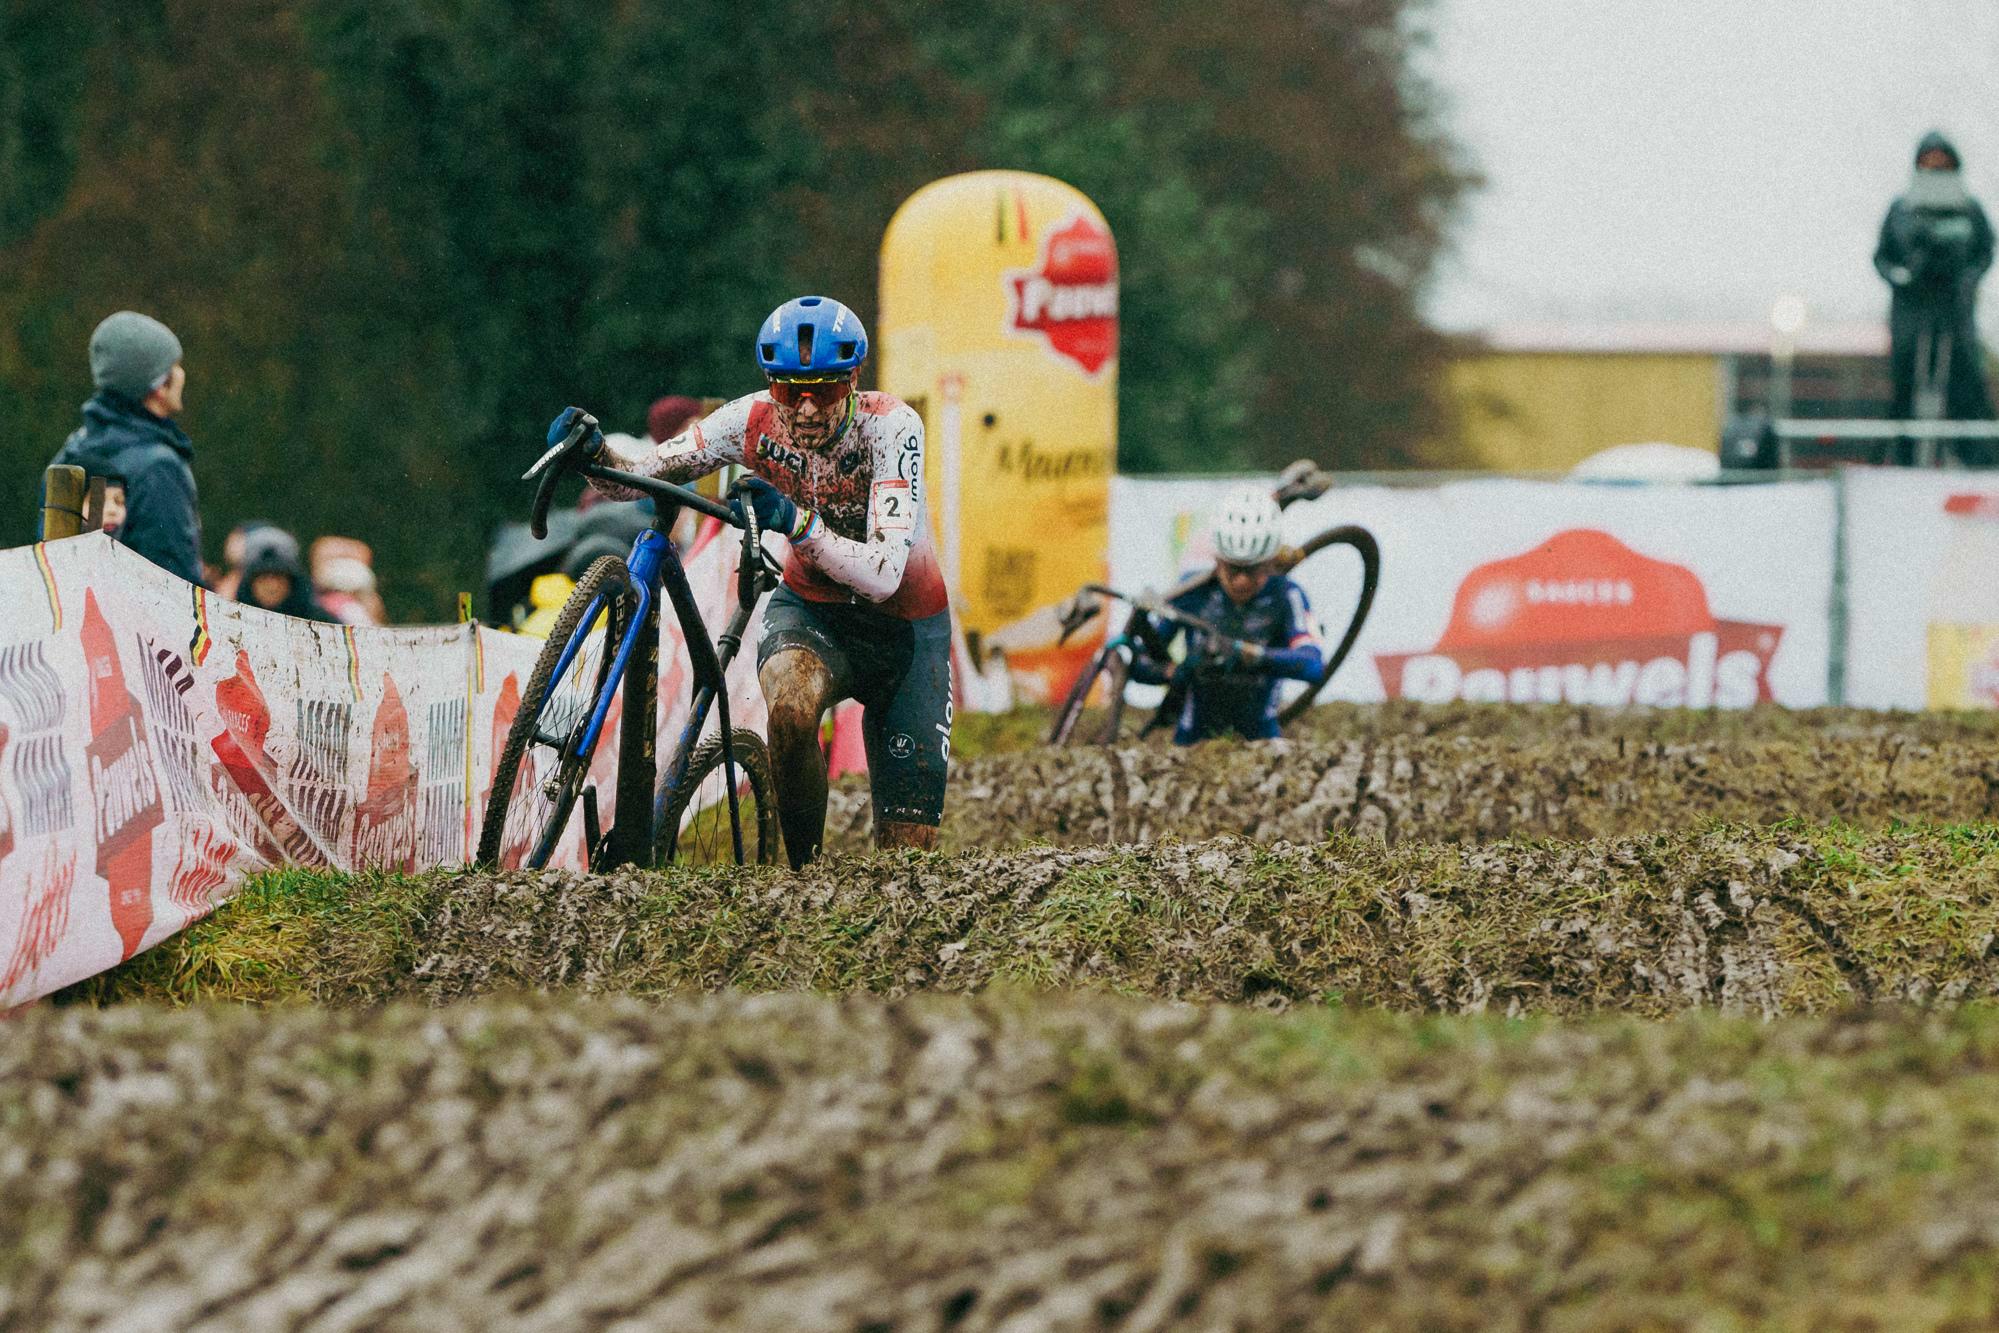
column 1922, row 589
column 1672, row 595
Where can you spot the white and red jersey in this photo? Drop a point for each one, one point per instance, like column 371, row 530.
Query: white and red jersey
column 867, row 488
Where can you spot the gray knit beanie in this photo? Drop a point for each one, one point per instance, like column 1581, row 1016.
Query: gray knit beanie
column 132, row 354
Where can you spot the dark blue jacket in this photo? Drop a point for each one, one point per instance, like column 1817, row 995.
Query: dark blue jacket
column 1243, row 702
column 119, row 438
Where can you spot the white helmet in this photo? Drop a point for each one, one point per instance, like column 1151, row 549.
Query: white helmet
column 1247, row 527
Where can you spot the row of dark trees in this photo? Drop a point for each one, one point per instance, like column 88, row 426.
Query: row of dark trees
column 396, row 235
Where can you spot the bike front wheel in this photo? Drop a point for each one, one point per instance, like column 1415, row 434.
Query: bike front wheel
column 1364, row 545
column 705, row 836
column 543, row 766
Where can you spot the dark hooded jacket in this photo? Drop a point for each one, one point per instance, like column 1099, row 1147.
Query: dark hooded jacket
column 1934, row 251
column 299, row 601
column 119, row 438
column 1934, row 248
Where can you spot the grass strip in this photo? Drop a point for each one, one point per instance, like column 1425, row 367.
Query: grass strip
column 1765, row 921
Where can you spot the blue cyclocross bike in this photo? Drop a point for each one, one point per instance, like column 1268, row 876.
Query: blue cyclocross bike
column 716, row 802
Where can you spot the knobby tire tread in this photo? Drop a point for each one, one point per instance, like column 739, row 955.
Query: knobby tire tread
column 607, row 575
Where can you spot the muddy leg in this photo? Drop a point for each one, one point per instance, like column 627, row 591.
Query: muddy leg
column 797, row 688
column 889, row 834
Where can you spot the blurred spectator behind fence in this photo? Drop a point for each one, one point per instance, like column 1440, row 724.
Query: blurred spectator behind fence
column 527, row 581
column 112, row 521
column 666, row 418
column 343, row 577
column 274, row 579
column 546, row 596
column 235, row 548
column 128, row 433
column 1936, row 244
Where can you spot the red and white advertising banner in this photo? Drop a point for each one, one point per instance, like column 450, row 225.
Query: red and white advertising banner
column 158, row 743
column 1922, row 589
column 1554, row 592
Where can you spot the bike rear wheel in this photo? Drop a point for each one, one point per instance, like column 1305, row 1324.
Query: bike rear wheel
column 1369, row 550
column 541, row 770
column 707, row 837
column 1112, row 668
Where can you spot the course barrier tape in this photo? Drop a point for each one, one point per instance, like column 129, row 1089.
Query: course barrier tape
column 158, row 744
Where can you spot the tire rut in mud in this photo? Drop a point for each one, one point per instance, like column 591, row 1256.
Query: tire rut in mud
column 1753, row 920
column 1060, row 1162
column 1444, row 788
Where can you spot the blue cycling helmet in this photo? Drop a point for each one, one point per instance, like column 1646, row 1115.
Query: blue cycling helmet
column 809, row 336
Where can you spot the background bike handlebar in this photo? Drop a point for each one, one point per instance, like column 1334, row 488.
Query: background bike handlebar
column 1164, row 610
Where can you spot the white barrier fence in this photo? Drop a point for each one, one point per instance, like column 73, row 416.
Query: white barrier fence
column 157, row 744
column 1873, row 587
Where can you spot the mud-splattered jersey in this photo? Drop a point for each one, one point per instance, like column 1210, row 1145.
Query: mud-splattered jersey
column 867, row 487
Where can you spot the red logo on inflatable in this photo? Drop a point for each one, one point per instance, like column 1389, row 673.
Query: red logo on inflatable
column 1584, row 619
column 1071, row 300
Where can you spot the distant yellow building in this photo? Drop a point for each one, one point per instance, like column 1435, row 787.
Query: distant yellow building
column 1541, row 398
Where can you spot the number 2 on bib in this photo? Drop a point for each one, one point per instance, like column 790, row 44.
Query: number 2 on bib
column 894, row 509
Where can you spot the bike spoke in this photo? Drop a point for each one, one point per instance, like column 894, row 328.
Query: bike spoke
column 544, row 786
column 705, row 837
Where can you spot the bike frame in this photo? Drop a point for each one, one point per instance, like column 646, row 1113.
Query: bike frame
column 1127, row 642
column 654, row 566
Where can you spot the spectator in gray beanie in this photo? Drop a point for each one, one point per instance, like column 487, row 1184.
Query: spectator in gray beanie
column 128, row 431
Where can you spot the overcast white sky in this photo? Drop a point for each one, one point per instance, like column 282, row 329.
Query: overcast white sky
column 1666, row 159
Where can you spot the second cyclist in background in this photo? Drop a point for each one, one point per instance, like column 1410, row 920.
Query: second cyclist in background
column 1230, row 686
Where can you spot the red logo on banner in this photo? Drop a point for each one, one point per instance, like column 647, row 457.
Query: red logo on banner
column 385, row 834
column 1584, row 619
column 245, row 765
column 124, row 788
column 1072, row 299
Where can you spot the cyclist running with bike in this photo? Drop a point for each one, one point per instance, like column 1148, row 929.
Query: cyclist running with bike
column 863, row 613
column 1230, row 684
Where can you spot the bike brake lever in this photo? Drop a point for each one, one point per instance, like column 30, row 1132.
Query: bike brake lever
column 585, row 423
column 1079, row 615
column 554, row 451
column 550, row 475
column 746, row 572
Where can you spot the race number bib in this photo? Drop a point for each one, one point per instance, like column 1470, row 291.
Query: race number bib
column 894, row 507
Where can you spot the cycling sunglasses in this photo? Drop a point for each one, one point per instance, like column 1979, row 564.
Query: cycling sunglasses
column 827, row 392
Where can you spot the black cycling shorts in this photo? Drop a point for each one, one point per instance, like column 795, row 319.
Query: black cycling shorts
column 900, row 671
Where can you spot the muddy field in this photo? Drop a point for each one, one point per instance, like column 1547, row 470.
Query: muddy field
column 1449, row 788
column 978, row 734
column 1012, row 1162
column 1766, row 922
column 1454, row 1018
